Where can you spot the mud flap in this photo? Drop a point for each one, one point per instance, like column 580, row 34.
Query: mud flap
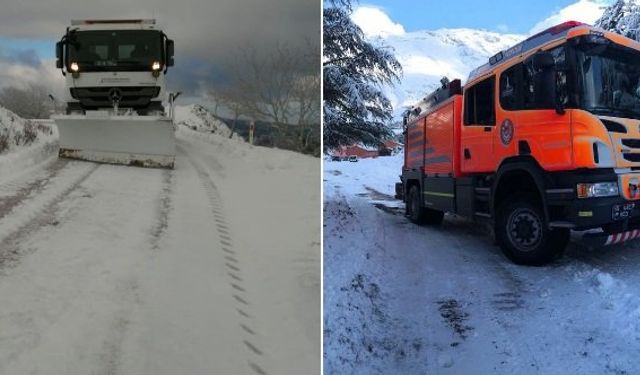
column 99, row 136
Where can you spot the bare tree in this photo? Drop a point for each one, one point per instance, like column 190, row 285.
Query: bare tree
column 230, row 98
column 282, row 88
column 30, row 102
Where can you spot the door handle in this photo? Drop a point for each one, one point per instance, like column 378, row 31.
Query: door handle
column 467, row 154
column 487, row 128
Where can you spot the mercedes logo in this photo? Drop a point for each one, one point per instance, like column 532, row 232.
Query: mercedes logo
column 115, row 94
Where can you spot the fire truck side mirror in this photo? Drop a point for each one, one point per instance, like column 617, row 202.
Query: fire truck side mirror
column 543, row 61
column 544, row 80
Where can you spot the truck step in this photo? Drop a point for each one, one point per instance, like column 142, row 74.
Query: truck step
column 561, row 224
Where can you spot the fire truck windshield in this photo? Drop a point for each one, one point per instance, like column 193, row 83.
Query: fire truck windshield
column 610, row 81
column 121, row 50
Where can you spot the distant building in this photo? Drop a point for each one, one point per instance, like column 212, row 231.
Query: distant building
column 392, row 145
column 357, row 150
column 388, row 147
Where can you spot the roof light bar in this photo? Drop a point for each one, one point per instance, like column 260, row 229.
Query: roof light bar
column 96, row 22
column 557, row 29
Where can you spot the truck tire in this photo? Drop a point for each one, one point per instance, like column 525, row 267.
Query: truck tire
column 523, row 234
column 418, row 214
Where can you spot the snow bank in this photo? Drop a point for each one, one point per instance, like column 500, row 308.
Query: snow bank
column 198, row 118
column 379, row 174
column 24, row 143
column 615, row 296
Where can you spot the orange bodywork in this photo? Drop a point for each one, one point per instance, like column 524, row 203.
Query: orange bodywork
column 434, row 138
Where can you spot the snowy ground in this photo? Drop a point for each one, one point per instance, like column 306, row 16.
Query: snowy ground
column 404, row 299
column 211, row 268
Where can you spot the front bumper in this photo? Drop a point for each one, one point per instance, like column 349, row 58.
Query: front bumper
column 566, row 209
column 597, row 212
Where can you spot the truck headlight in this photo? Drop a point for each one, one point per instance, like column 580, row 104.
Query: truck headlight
column 597, row 189
column 155, row 69
column 75, row 69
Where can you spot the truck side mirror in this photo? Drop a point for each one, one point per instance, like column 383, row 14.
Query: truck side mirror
column 59, row 55
column 544, row 81
column 170, row 49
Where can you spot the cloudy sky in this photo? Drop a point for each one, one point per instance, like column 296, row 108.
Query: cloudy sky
column 207, row 33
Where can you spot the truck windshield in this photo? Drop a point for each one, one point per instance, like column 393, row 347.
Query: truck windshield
column 610, row 81
column 123, row 50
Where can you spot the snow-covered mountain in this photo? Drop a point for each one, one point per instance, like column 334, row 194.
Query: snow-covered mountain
column 623, row 17
column 427, row 56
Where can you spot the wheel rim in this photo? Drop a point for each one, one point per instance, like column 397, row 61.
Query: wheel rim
column 524, row 229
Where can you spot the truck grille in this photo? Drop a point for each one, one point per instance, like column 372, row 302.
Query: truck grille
column 633, row 143
column 631, row 157
column 99, row 97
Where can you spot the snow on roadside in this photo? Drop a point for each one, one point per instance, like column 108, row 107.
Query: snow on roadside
column 24, row 143
column 379, row 174
column 198, row 118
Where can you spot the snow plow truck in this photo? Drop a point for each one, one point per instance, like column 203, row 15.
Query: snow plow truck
column 115, row 88
column 541, row 140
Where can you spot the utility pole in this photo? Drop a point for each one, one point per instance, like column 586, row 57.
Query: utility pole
column 252, row 128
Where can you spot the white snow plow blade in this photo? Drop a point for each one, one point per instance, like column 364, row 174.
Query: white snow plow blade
column 147, row 141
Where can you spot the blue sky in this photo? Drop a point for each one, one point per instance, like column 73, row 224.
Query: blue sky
column 44, row 48
column 511, row 16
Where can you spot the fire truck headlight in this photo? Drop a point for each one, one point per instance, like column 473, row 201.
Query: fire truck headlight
column 597, row 189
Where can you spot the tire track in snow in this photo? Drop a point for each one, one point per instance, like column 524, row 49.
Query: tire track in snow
column 111, row 355
column 164, row 210
column 25, row 191
column 234, row 273
column 506, row 302
column 10, row 250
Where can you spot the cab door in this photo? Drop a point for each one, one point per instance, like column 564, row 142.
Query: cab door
column 478, row 127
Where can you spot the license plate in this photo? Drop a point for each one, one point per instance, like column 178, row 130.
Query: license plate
column 622, row 211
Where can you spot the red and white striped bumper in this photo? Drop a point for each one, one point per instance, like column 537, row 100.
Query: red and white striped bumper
column 604, row 239
column 621, row 237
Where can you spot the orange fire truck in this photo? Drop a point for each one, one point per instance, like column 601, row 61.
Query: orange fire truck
column 541, row 140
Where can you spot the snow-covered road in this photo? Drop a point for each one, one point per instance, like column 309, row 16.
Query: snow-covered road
column 404, row 299
column 213, row 267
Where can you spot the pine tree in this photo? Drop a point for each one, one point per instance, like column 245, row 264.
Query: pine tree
column 354, row 70
column 622, row 17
